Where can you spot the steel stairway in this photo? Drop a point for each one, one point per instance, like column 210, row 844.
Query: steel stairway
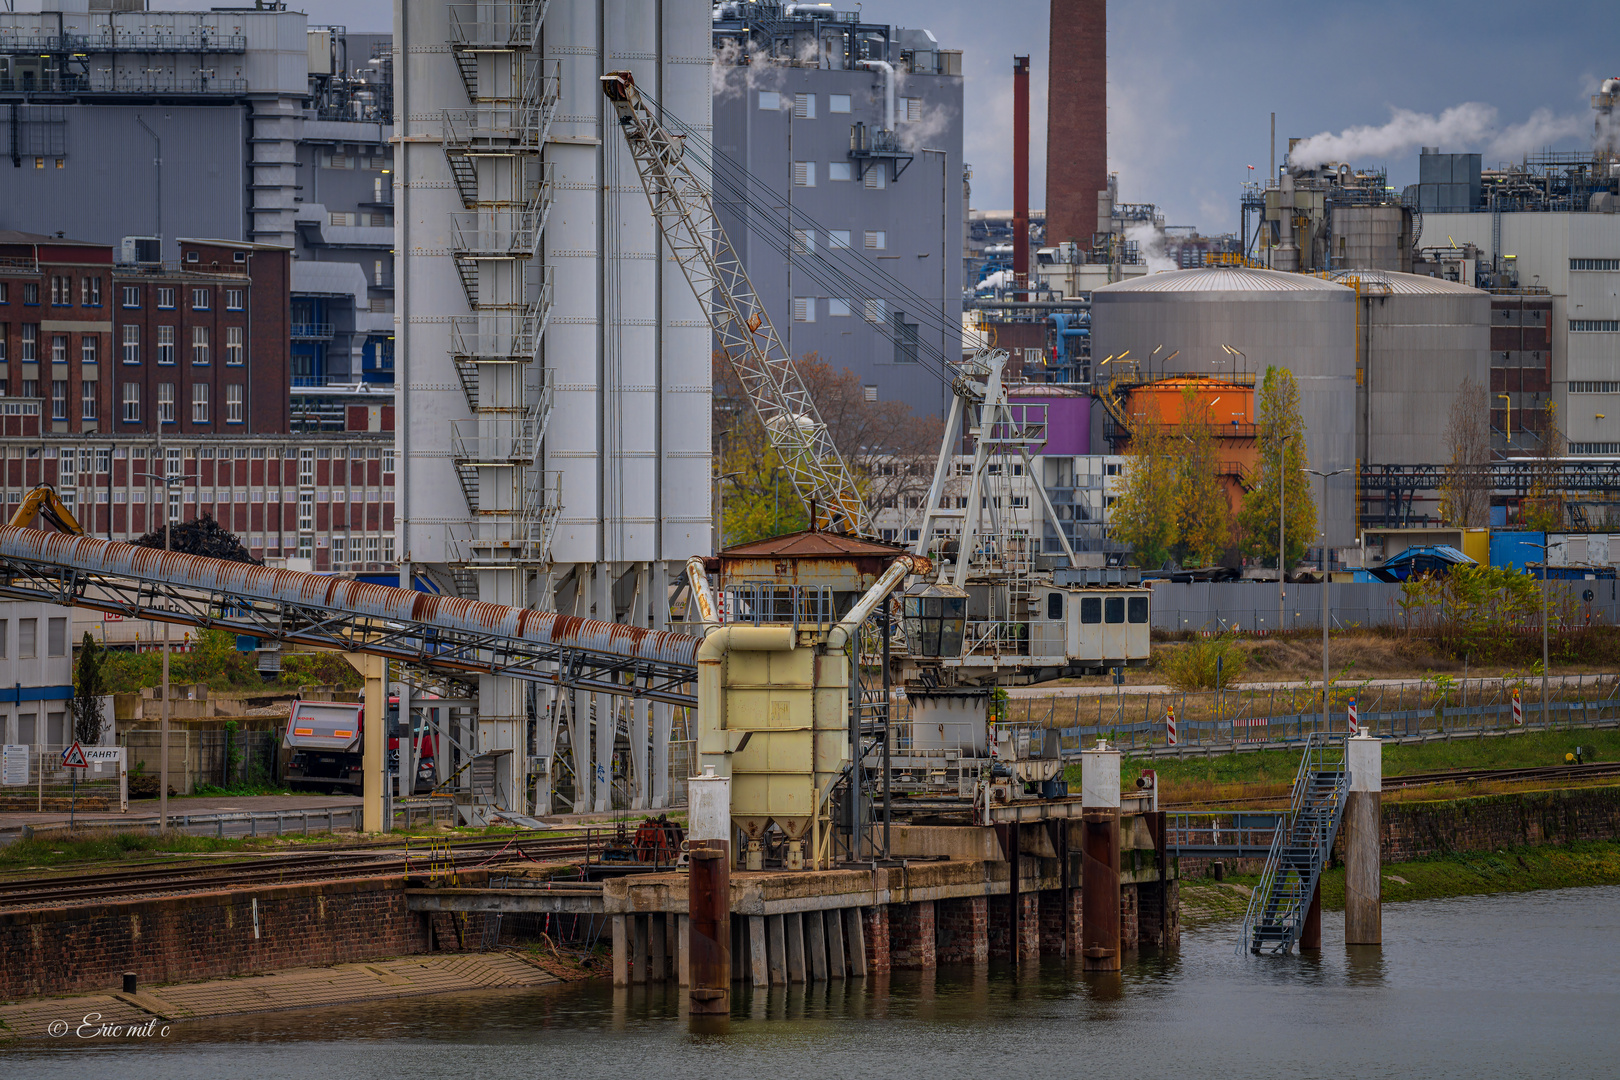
column 1299, row 848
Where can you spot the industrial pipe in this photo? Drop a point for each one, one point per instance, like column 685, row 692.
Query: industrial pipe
column 698, row 577
column 888, row 89
column 894, row 575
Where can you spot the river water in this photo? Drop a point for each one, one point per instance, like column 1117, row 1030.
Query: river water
column 1523, row 985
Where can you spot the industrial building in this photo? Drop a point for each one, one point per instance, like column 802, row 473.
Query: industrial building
column 243, row 124
column 554, row 386
column 855, row 126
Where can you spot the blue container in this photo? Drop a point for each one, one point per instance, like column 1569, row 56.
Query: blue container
column 1517, row 549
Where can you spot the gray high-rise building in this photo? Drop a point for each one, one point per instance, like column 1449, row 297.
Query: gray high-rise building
column 855, row 130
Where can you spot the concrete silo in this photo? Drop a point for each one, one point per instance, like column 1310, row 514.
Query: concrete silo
column 1420, row 338
column 1304, row 324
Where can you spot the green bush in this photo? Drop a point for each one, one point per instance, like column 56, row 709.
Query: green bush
column 1193, row 666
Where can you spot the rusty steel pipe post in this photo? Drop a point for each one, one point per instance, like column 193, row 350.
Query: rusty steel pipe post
column 1099, row 897
column 709, row 930
column 1310, row 935
column 1020, row 169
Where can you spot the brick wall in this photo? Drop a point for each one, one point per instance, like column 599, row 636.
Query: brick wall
column 206, row 936
column 1156, row 900
column 1415, row 830
column 1054, row 939
column 912, row 935
column 962, row 928
column 1129, row 916
column 1029, row 927
column 875, row 925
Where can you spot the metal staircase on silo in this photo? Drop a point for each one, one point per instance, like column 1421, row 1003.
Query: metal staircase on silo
column 1300, row 848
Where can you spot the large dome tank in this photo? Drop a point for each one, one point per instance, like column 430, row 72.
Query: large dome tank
column 1270, row 318
column 1421, row 337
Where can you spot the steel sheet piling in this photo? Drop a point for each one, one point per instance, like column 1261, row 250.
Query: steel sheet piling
column 709, row 930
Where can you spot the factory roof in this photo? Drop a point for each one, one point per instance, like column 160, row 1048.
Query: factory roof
column 1409, row 284
column 1227, row 279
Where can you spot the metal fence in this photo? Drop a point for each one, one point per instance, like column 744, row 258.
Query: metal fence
column 199, row 757
column 1138, row 723
column 46, row 784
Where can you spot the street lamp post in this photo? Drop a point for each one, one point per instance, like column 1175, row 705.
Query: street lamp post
column 1324, row 475
column 1544, row 650
column 168, row 481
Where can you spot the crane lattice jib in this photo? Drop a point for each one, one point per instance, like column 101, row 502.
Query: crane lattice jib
column 684, row 210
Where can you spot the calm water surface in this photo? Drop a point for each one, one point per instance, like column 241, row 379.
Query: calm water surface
column 1507, row 986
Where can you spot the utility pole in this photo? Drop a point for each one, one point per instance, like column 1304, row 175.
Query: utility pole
column 1324, row 476
column 1282, row 549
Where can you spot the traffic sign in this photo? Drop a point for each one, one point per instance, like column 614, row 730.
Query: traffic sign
column 73, row 757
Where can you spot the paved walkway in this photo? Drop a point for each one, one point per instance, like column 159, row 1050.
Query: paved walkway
column 301, row 988
column 146, row 810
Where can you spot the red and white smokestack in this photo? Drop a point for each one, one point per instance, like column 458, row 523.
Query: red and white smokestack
column 1021, row 171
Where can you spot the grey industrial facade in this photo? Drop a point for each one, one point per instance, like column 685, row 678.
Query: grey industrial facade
column 789, row 124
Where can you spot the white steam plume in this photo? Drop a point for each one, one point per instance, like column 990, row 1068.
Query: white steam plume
column 1150, row 246
column 1471, row 124
column 926, row 130
column 1537, row 133
column 729, row 76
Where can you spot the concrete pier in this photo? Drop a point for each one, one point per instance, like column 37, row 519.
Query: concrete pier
column 1363, row 870
column 1100, row 945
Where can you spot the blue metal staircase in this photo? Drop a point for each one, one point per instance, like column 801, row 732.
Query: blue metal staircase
column 1299, row 849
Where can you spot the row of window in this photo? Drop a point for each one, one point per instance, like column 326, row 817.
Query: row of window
column 70, row 460
column 1594, row 264
column 1594, row 448
column 28, row 638
column 804, row 105
column 1594, row 387
column 804, row 240
column 201, row 350
column 804, row 174
column 61, row 345
column 199, row 403
column 61, row 286
column 1611, row 326
column 88, row 408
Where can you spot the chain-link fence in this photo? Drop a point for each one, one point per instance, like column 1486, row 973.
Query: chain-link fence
column 33, row 777
column 203, row 758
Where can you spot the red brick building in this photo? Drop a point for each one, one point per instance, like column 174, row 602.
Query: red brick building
column 200, row 347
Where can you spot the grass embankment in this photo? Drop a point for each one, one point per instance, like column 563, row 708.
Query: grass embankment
column 1270, row 773
column 1473, row 873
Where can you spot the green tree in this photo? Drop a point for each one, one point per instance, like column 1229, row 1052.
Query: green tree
column 1144, row 514
column 1204, row 517
column 1282, row 476
column 88, row 688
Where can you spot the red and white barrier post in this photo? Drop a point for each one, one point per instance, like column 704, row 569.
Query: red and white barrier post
column 1355, row 724
column 1170, row 725
column 1518, row 709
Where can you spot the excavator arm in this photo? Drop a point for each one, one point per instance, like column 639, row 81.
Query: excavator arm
column 46, row 503
column 684, row 210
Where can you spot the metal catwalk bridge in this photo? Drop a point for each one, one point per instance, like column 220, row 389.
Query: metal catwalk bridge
column 443, row 634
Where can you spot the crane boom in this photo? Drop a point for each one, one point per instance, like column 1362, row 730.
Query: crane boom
column 684, row 211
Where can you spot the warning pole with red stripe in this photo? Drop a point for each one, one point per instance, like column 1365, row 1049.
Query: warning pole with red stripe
column 1518, row 709
column 1355, row 727
column 1170, row 725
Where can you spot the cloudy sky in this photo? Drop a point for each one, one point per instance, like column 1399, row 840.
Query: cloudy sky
column 1192, row 83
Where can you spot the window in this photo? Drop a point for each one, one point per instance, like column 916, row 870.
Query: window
column 87, row 406
column 61, row 290
column 338, row 544
column 804, row 174
column 838, row 103
column 838, row 238
column 199, row 299
column 132, row 296
column 840, row 170
column 166, row 403
column 804, row 106
column 804, row 241
column 59, row 344
column 165, row 296
column 877, row 179
column 56, row 637
column 30, row 343
column 3, row 626
column 387, row 557
column 876, row 311
column 199, row 403
column 233, row 404
column 837, row 307
column 5, row 292
column 1594, row 387
column 1594, row 448
column 1594, row 264
column 90, row 291
column 911, row 108
column 906, row 339
column 27, row 638
column 233, row 346
column 770, row 101
column 371, row 549
column 388, row 461
column 132, row 344
column 876, row 240
column 88, row 349
column 59, row 399
column 804, row 309
column 1054, row 605
column 31, row 292
column 306, row 467
column 1091, row 609
column 199, row 344
column 306, row 511
column 1114, row 609
column 233, row 299
column 30, row 388
column 1138, row 609
column 1591, row 326
column 165, row 344
column 103, row 461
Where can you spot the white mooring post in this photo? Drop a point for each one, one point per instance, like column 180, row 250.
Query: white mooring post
column 1363, row 915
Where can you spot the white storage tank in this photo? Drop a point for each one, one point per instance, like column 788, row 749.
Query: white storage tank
column 1304, row 324
column 1421, row 337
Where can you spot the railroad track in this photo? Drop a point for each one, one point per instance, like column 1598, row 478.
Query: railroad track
column 1596, row 770
column 278, row 870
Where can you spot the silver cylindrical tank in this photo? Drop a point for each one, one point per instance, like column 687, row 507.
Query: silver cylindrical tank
column 1421, row 337
column 1304, row 324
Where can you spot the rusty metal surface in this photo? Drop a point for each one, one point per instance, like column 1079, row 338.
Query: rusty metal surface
column 709, row 926
column 96, row 556
column 1099, row 878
